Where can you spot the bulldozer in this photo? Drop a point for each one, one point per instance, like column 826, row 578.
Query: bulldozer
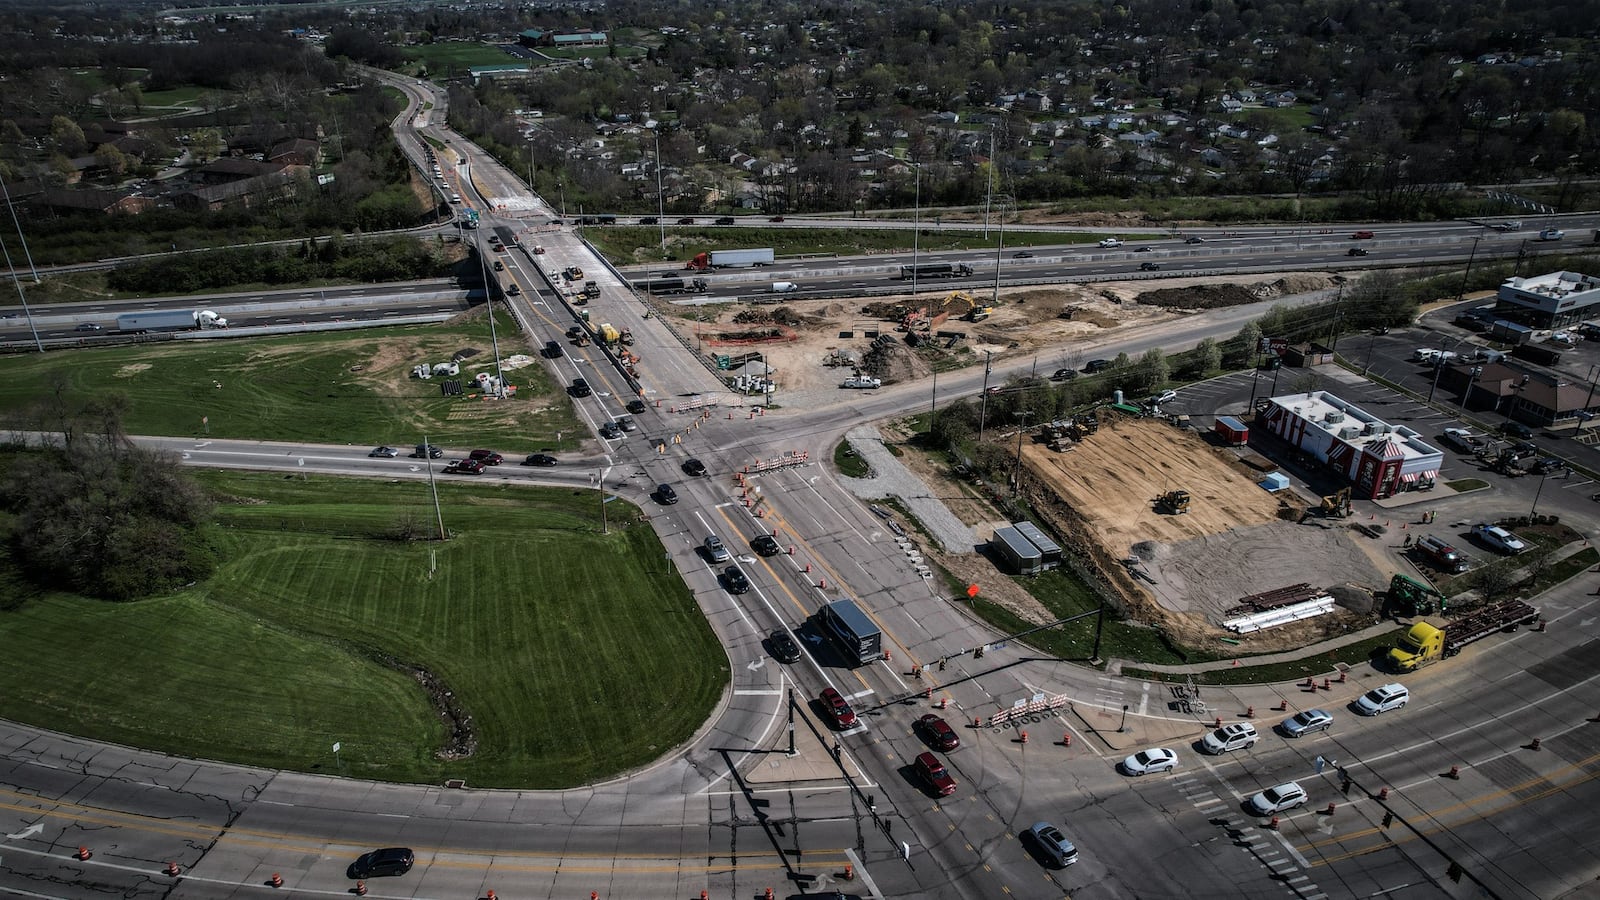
column 1174, row 502
column 1337, row 504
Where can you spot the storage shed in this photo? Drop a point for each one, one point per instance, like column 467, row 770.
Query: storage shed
column 1232, row 431
column 1275, row 482
column 1049, row 550
column 1017, row 551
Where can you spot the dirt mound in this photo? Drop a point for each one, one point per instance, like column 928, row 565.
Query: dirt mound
column 1222, row 295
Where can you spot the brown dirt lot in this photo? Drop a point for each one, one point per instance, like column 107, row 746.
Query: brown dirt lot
column 1113, row 477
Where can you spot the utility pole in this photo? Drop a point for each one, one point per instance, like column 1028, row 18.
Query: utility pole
column 427, row 457
column 989, row 197
column 999, row 251
column 983, row 400
column 916, row 232
column 1470, row 257
column 1016, row 469
column 661, row 199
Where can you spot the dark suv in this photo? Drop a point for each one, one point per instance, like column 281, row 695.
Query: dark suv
column 725, row 220
column 580, row 388
column 427, row 451
column 1096, row 365
column 389, row 861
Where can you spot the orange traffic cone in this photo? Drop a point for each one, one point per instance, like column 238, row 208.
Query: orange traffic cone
column 171, row 869
column 361, row 889
column 83, row 853
column 277, row 880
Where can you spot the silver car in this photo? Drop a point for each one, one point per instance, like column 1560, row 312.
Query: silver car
column 1158, row 759
column 1052, row 844
column 716, row 551
column 1277, row 799
column 1302, row 723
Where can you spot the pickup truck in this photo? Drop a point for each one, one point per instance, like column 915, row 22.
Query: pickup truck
column 1111, row 242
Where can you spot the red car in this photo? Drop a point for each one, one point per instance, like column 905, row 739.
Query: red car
column 937, row 732
column 838, row 708
column 487, row 457
column 464, row 467
column 1361, row 236
column 932, row 771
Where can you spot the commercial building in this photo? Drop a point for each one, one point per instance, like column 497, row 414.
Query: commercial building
column 1377, row 458
column 1552, row 300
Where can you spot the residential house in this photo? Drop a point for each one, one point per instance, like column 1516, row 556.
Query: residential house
column 65, row 201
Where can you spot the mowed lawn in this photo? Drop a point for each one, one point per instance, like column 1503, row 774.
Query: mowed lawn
column 577, row 655
column 333, row 387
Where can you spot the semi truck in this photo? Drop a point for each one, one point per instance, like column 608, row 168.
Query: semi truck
column 731, row 259
column 671, row 286
column 1426, row 643
column 935, row 270
column 858, row 637
column 170, row 320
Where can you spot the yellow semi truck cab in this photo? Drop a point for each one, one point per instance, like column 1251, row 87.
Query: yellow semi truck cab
column 1421, row 644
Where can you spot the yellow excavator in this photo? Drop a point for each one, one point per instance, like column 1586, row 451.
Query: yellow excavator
column 1174, row 502
column 1337, row 504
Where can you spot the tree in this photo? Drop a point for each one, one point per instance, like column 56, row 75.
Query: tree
column 1208, row 355
column 67, row 136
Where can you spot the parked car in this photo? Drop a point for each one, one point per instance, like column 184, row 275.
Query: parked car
column 933, row 772
column 838, row 709
column 1500, row 539
column 734, row 579
column 1164, row 397
column 1158, row 759
column 1516, row 430
column 666, row 494
column 385, row 452
column 716, row 550
column 1277, row 799
column 784, row 648
column 765, row 545
column 486, row 457
column 539, row 459
column 1305, row 722
column 1232, row 736
column 389, row 861
column 694, row 467
column 1051, row 844
column 937, row 732
column 1382, row 699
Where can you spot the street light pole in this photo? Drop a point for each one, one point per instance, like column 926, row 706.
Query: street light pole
column 661, row 199
column 1016, row 469
column 1536, row 494
column 1476, row 371
column 916, row 229
column 999, row 251
column 1463, row 291
column 989, row 197
column 983, row 401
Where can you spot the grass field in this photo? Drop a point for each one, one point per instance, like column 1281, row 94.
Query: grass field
column 308, row 387
column 184, row 96
column 577, row 654
column 627, row 245
column 460, row 55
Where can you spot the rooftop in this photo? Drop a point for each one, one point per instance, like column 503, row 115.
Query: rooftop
column 1355, row 426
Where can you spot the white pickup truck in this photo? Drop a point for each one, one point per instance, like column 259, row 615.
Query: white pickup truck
column 862, row 382
column 1111, row 242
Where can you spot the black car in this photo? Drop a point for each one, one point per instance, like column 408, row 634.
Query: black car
column 427, row 451
column 1064, row 375
column 552, row 350
column 766, row 545
column 636, row 406
column 686, row 221
column 694, row 467
column 611, row 432
column 1516, row 429
column 725, row 220
column 1149, row 266
column 666, row 494
column 390, row 861
column 735, row 580
column 1356, row 251
column 1022, row 254
column 580, row 388
column 1192, row 239
column 648, row 220
column 539, row 459
column 1096, row 365
column 783, row 645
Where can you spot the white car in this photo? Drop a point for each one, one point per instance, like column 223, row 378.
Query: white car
column 1382, row 699
column 1303, row 723
column 1111, row 242
column 1277, row 799
column 1144, row 762
column 1500, row 539
column 1230, row 737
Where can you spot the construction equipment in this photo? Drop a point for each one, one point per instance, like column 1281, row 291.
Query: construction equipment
column 1426, row 643
column 1337, row 504
column 958, row 303
column 1174, row 502
column 1409, row 597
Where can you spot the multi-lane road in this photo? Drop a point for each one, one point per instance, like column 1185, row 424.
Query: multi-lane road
column 734, row 812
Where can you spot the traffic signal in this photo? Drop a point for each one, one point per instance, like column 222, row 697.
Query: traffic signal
column 1454, row 872
column 1388, row 819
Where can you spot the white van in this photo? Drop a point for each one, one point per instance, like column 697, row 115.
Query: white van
column 784, row 287
column 1424, row 354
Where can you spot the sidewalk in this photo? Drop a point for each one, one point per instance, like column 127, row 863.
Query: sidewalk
column 1114, row 666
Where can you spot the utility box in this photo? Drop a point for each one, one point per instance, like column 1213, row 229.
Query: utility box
column 1018, row 552
column 1232, row 431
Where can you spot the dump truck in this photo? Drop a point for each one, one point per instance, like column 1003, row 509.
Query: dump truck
column 935, row 270
column 591, row 289
column 605, row 332
column 731, row 259
column 1409, row 597
column 1426, row 643
column 671, row 286
column 170, row 320
column 1174, row 502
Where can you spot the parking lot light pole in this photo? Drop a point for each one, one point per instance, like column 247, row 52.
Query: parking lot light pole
column 1536, row 494
column 1476, row 371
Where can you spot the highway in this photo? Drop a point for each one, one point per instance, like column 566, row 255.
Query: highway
column 734, row 812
